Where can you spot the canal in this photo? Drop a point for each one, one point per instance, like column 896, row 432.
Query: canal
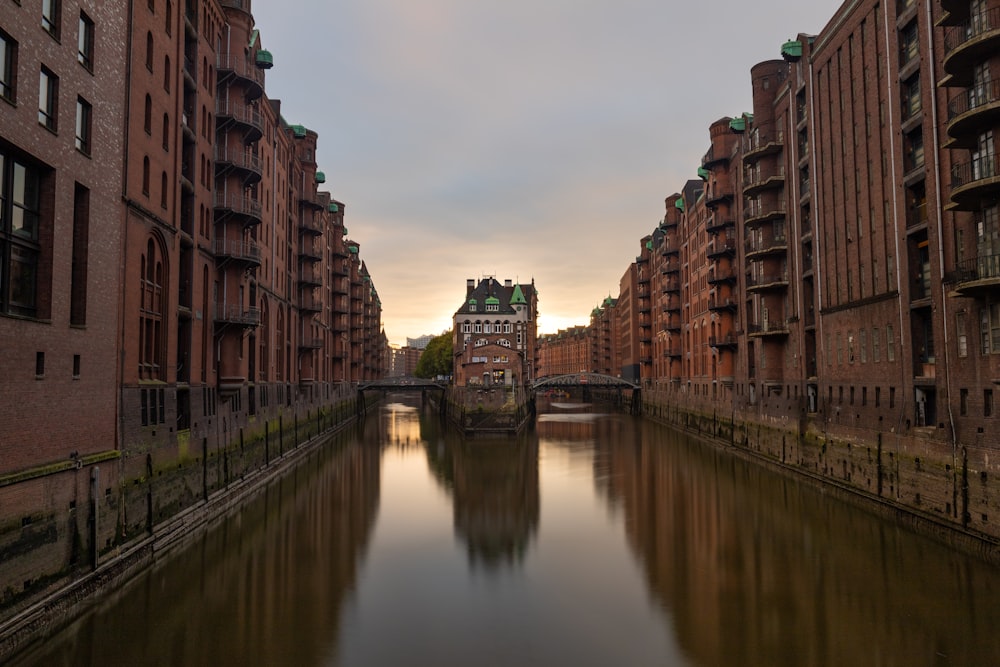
column 595, row 539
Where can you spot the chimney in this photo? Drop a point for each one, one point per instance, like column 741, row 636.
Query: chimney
column 506, row 283
column 470, row 285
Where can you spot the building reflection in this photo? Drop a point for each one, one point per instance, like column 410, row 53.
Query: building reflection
column 828, row 585
column 493, row 484
column 265, row 587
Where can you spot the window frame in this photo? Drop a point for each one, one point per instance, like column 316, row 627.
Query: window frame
column 21, row 245
column 8, row 67
column 84, row 125
column 48, row 117
column 51, row 15
column 85, row 42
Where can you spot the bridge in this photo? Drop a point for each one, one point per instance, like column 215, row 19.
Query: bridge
column 583, row 380
column 401, row 383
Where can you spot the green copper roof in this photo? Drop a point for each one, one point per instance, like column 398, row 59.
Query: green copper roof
column 649, row 245
column 333, row 208
column 492, row 301
column 518, row 296
column 472, row 302
column 607, row 301
column 264, row 59
column 791, row 50
column 738, row 124
column 703, row 173
column 320, row 177
column 345, row 231
column 298, row 130
column 679, row 203
column 254, row 34
column 353, row 249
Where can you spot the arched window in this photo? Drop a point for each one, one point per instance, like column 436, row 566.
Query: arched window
column 147, row 119
column 169, row 16
column 151, row 302
column 149, row 51
column 166, row 132
column 145, row 175
column 166, row 73
column 163, row 190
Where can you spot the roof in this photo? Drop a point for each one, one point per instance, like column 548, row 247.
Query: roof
column 491, row 292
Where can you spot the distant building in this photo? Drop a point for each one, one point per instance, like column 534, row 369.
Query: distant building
column 420, row 342
column 567, row 351
column 495, row 332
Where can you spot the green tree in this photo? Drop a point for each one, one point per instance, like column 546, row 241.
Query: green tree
column 436, row 358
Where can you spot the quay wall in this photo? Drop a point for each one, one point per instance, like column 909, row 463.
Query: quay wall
column 947, row 489
column 72, row 532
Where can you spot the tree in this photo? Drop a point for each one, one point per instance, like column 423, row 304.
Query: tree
column 436, row 358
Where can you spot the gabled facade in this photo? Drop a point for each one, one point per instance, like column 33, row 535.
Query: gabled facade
column 495, row 334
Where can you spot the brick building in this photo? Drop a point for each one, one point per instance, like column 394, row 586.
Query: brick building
column 495, row 334
column 566, row 351
column 175, row 282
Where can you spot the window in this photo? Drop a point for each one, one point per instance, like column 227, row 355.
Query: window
column 913, row 145
column 911, row 96
column 909, row 43
column 890, row 344
column 151, row 281
column 963, row 402
column 149, row 51
column 987, row 402
column 169, row 17
column 83, row 123
column 863, row 345
column 145, row 176
column 8, row 66
column 20, row 236
column 85, row 42
column 963, row 341
column 78, row 265
column 147, row 118
column 166, row 73
column 48, row 98
column 50, row 17
column 163, row 190
column 166, row 132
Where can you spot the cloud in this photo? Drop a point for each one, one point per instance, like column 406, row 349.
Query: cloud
column 522, row 138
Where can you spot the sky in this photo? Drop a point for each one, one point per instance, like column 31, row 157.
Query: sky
column 523, row 139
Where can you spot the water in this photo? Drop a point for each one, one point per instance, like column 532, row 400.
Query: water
column 594, row 540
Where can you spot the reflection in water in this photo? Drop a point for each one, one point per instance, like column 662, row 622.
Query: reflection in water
column 263, row 588
column 596, row 539
column 756, row 569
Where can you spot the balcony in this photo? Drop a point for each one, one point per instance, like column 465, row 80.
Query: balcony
column 673, row 352
column 767, row 329
column 672, row 285
column 717, row 274
column 309, row 302
column 671, row 265
column 238, row 69
column 244, row 162
column 718, row 223
column 239, row 206
column 766, row 176
column 313, row 226
column 726, row 340
column 756, row 146
column 310, row 200
column 769, row 245
column 977, row 276
column 241, row 116
column 309, row 278
column 307, row 344
column 713, row 158
column 717, row 303
column 673, row 324
column 757, row 212
column 721, row 248
column 971, row 42
column 718, row 194
column 974, row 181
column 236, row 314
column 767, row 281
column 670, row 247
column 972, row 112
column 308, row 253
column 246, row 253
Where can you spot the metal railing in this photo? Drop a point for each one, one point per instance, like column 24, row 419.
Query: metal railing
column 236, row 314
column 240, row 249
column 977, row 96
column 974, row 26
column 986, row 166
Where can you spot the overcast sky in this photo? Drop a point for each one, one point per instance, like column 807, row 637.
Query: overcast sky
column 526, row 139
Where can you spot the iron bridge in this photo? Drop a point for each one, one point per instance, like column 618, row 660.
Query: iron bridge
column 583, row 380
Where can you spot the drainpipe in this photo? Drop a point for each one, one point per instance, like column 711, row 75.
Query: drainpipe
column 940, row 234
column 895, row 233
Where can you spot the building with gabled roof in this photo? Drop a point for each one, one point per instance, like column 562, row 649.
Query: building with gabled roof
column 492, row 319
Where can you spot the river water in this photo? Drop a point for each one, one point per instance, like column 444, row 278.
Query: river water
column 595, row 539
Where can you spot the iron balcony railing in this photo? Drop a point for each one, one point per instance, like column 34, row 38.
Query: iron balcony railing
column 977, row 96
column 767, row 279
column 976, row 25
column 238, row 204
column 983, row 267
column 237, row 249
column 241, row 113
column 237, row 314
column 986, row 166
